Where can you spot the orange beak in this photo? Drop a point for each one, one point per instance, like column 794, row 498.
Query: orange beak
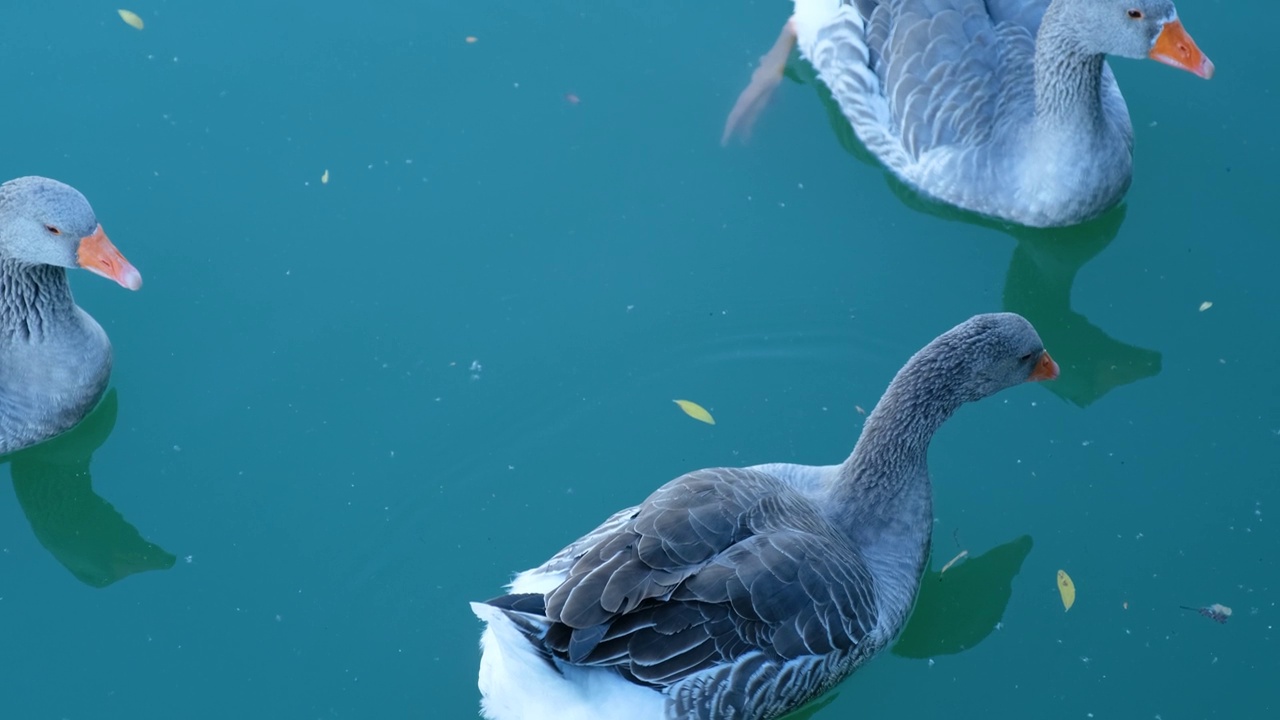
column 1046, row 369
column 1175, row 47
column 98, row 255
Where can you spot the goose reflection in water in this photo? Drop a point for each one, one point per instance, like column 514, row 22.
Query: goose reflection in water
column 88, row 536
column 1038, row 283
column 955, row 610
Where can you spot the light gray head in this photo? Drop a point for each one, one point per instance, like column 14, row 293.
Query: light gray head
column 45, row 222
column 986, row 354
column 1135, row 29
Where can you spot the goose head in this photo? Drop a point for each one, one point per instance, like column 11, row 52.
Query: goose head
column 46, row 222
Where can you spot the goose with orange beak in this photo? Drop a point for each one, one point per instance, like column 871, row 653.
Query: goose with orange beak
column 55, row 360
column 1006, row 108
column 1175, row 47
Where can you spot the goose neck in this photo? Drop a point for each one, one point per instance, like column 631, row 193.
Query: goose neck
column 33, row 299
column 1068, row 76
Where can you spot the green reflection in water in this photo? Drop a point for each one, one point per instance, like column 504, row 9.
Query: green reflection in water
column 1038, row 284
column 80, row 529
column 958, row 609
column 955, row 610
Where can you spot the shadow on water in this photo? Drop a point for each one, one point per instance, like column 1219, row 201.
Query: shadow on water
column 1038, row 283
column 80, row 529
column 954, row 611
column 957, row 610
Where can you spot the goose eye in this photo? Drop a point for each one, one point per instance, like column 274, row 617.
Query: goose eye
column 53, row 229
column 1027, row 357
column 1135, row 14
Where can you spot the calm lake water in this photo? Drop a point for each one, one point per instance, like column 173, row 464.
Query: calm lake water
column 341, row 411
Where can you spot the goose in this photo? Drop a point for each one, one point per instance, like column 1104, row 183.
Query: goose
column 54, row 358
column 745, row 593
column 1006, row 108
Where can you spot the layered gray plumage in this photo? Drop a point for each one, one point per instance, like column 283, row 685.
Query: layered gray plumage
column 55, row 359
column 1003, row 107
column 745, row 592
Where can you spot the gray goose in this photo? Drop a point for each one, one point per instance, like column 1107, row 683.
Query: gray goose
column 745, row 593
column 54, row 358
column 1006, row 108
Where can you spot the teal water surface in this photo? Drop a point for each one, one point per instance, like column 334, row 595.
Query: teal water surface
column 341, row 411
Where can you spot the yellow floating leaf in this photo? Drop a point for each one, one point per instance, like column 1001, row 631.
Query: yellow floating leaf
column 1067, row 589
column 131, row 18
column 695, row 411
column 324, row 179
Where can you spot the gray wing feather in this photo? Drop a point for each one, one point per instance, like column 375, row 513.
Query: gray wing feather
column 721, row 585
column 929, row 74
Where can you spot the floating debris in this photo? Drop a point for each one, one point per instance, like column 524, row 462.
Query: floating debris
column 963, row 554
column 1216, row 612
column 131, row 18
column 695, row 411
column 471, row 39
column 1205, row 305
column 1067, row 590
column 572, row 99
column 324, row 179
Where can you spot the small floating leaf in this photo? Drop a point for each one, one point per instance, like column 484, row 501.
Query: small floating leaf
column 695, row 411
column 324, row 179
column 1067, row 589
column 131, row 18
column 1205, row 305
